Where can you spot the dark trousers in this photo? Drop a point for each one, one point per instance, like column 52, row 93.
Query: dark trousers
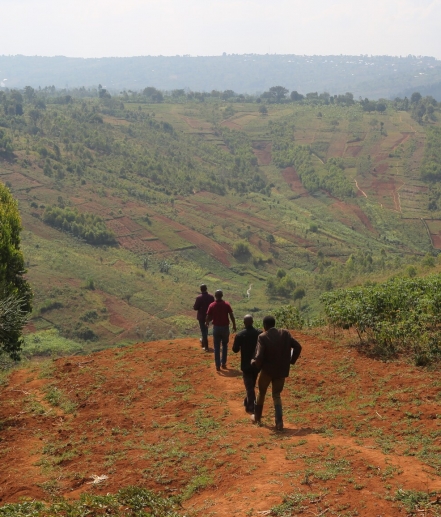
column 204, row 328
column 221, row 335
column 249, row 380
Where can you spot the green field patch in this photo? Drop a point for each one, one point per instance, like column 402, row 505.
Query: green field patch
column 111, row 328
column 182, row 323
column 49, row 343
column 41, row 324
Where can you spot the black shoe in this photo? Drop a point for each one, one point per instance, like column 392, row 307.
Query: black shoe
column 218, row 368
column 224, row 366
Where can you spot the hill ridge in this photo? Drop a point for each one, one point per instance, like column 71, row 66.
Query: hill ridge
column 157, row 415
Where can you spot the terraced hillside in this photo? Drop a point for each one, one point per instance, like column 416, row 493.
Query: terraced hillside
column 307, row 195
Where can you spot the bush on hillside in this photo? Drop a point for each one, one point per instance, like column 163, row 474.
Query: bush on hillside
column 89, row 227
column 289, row 317
column 399, row 317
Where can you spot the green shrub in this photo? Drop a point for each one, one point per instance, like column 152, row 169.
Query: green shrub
column 400, row 316
column 50, row 306
column 128, row 502
column 289, row 317
column 241, row 249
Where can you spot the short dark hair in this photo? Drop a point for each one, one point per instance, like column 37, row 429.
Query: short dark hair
column 269, row 322
column 203, row 287
column 248, row 319
column 218, row 294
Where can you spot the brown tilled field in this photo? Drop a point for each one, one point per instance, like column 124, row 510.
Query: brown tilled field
column 157, row 415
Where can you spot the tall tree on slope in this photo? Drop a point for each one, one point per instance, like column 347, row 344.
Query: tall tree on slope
column 15, row 291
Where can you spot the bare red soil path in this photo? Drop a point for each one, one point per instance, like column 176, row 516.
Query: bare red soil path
column 158, row 415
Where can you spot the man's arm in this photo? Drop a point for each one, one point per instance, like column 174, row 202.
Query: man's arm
column 233, row 321
column 296, row 350
column 258, row 355
column 236, row 343
column 197, row 304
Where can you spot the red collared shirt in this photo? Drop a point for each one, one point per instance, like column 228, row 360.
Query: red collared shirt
column 219, row 311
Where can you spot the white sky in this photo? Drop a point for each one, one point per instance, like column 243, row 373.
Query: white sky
column 99, row 28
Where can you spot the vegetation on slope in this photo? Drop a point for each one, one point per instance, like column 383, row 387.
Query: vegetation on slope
column 400, row 316
column 196, row 186
column 15, row 291
column 90, row 227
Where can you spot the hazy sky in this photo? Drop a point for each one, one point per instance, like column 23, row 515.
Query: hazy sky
column 97, row 28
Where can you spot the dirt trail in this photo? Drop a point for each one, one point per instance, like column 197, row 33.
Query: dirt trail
column 359, row 189
column 158, row 415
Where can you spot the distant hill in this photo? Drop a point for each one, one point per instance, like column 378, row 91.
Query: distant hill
column 430, row 89
column 373, row 77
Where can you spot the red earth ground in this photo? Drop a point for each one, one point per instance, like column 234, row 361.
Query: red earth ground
column 262, row 150
column 157, row 415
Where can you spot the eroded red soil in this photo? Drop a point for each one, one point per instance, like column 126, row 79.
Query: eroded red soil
column 292, row 179
column 262, row 150
column 159, row 416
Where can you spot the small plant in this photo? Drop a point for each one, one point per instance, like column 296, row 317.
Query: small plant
column 90, row 284
column 413, row 501
column 128, row 502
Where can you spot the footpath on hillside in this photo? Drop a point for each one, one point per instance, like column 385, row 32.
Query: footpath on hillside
column 360, row 436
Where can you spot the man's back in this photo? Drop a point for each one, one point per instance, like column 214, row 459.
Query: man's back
column 246, row 341
column 273, row 352
column 202, row 303
column 219, row 311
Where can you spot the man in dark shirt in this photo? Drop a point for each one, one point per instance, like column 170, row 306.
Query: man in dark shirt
column 245, row 342
column 201, row 305
column 276, row 350
column 220, row 312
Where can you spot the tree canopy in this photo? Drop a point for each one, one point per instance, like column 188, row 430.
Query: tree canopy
column 15, row 292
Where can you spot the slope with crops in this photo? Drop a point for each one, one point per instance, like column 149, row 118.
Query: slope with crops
column 129, row 202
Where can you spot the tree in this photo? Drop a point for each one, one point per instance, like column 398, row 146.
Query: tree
column 15, row 292
column 34, row 115
column 296, row 96
column 415, row 98
column 299, row 293
column 29, row 93
column 275, row 93
column 241, row 249
column 5, row 143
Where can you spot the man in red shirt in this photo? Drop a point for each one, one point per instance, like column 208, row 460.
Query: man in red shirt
column 220, row 313
column 201, row 305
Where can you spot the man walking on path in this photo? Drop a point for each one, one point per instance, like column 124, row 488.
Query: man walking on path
column 245, row 342
column 201, row 305
column 276, row 350
column 220, row 312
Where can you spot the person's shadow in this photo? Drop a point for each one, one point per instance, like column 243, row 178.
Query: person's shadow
column 302, row 431
column 231, row 373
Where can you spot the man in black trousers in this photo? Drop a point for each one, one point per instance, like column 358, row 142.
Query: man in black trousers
column 245, row 342
column 201, row 305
